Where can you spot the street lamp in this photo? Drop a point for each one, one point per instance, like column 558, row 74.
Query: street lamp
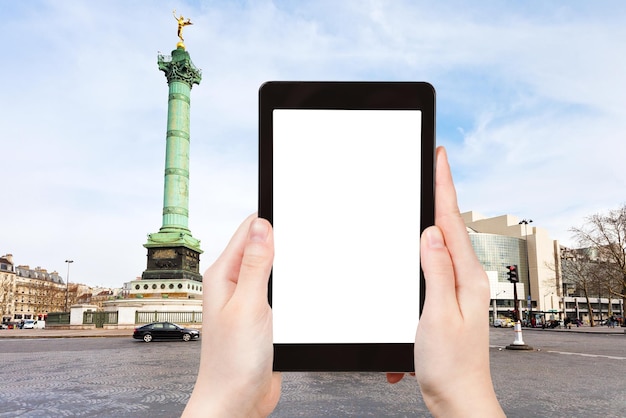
column 525, row 222
column 495, row 306
column 67, row 283
column 544, row 300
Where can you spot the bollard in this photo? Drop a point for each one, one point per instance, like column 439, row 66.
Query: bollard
column 518, row 344
column 518, row 334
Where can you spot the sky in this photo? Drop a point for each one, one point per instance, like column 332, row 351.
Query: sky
column 530, row 105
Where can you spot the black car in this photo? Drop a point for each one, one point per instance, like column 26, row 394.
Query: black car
column 165, row 331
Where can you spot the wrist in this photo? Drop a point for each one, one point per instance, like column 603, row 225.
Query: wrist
column 222, row 400
column 201, row 406
column 477, row 401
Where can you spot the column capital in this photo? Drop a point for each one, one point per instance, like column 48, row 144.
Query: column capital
column 178, row 67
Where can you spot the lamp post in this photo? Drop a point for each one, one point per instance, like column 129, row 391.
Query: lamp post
column 495, row 306
column 600, row 304
column 525, row 222
column 67, row 283
column 545, row 305
column 544, row 301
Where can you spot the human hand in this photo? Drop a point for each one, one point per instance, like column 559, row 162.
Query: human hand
column 235, row 377
column 452, row 339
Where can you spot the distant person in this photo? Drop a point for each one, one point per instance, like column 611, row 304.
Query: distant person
column 236, row 379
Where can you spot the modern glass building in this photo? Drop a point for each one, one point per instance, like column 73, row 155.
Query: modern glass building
column 495, row 252
column 506, row 240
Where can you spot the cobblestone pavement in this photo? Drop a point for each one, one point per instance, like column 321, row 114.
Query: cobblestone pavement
column 572, row 375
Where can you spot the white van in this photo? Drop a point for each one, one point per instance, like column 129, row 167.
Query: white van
column 32, row 324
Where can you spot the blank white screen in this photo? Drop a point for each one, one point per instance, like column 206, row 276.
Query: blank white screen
column 346, row 215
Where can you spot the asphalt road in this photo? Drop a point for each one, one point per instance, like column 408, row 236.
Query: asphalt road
column 570, row 375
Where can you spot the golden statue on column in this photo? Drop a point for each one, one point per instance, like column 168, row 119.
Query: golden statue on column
column 181, row 24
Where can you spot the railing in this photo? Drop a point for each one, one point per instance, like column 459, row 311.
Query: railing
column 163, row 316
column 99, row 318
column 58, row 318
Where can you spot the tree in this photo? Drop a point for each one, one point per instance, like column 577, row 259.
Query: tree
column 580, row 270
column 7, row 294
column 605, row 236
column 46, row 296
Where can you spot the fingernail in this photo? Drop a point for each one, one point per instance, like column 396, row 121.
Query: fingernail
column 434, row 238
column 259, row 230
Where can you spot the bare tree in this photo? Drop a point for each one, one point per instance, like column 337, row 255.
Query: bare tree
column 605, row 236
column 581, row 271
column 7, row 285
column 46, row 296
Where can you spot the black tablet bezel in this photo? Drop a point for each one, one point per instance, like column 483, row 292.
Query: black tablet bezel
column 384, row 357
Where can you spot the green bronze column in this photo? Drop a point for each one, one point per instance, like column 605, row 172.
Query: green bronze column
column 173, row 253
column 181, row 75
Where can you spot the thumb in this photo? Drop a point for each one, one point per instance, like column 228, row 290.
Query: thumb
column 256, row 263
column 438, row 273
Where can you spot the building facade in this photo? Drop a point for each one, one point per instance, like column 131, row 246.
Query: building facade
column 27, row 293
column 506, row 240
column 7, row 288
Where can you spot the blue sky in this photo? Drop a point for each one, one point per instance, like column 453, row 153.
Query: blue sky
column 530, row 104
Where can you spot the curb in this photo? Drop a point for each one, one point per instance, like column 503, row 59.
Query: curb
column 38, row 337
column 20, row 334
column 579, row 331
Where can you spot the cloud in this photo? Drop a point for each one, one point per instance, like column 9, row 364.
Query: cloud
column 529, row 103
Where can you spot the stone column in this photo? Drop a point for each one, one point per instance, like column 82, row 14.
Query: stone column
column 173, row 253
column 181, row 75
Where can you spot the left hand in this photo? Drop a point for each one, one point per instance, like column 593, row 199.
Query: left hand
column 235, row 377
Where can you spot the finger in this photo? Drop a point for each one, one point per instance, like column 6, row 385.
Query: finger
column 221, row 278
column 394, row 377
column 256, row 263
column 448, row 218
column 438, row 274
column 471, row 281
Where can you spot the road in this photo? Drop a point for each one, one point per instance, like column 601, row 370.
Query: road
column 571, row 375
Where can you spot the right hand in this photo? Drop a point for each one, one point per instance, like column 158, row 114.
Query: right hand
column 452, row 339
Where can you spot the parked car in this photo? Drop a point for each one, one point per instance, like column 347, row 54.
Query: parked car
column 165, row 331
column 503, row 323
column 28, row 324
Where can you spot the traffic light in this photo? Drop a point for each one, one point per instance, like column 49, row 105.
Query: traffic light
column 512, row 273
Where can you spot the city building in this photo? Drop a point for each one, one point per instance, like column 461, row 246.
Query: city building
column 544, row 292
column 506, row 240
column 27, row 293
column 7, row 288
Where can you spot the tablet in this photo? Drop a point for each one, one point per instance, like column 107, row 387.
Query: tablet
column 346, row 179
